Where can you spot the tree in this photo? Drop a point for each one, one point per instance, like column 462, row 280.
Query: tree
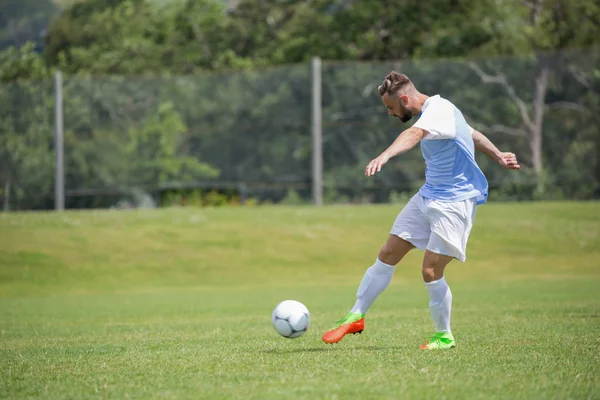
column 155, row 94
column 23, row 21
column 126, row 133
column 547, row 26
column 22, row 64
column 26, row 129
column 136, row 37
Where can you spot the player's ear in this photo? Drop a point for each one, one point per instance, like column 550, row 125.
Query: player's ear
column 404, row 100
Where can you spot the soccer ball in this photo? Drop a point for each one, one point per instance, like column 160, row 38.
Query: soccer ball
column 290, row 319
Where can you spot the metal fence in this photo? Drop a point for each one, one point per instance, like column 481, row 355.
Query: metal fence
column 292, row 134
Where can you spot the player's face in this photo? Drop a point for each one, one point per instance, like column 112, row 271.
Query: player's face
column 396, row 106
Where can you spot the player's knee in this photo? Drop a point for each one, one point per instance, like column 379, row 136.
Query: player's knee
column 391, row 253
column 387, row 255
column 429, row 274
column 432, row 269
column 434, row 265
column 394, row 250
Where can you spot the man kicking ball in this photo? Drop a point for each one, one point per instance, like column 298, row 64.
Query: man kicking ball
column 438, row 219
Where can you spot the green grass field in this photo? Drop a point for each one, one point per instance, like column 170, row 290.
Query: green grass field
column 176, row 303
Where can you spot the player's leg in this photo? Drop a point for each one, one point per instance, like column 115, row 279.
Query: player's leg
column 411, row 229
column 379, row 275
column 451, row 225
column 440, row 299
column 375, row 280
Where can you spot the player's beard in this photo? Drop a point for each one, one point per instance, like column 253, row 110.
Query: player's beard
column 406, row 117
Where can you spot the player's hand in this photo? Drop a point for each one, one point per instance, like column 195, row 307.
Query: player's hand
column 509, row 161
column 376, row 164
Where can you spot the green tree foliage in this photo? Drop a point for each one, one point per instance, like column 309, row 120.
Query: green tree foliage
column 126, row 133
column 135, row 37
column 26, row 128
column 159, row 93
column 545, row 27
column 22, row 63
column 22, row 21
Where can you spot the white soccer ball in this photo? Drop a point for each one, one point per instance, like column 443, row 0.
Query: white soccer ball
column 290, row 319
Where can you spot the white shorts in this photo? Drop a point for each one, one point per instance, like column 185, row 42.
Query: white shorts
column 437, row 226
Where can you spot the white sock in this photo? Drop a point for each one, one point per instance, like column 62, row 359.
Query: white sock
column 375, row 280
column 440, row 304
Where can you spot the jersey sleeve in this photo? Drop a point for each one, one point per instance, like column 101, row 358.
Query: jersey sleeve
column 438, row 120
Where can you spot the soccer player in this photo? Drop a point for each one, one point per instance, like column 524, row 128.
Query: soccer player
column 438, row 219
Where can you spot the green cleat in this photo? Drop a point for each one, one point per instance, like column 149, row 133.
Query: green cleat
column 439, row 341
column 349, row 319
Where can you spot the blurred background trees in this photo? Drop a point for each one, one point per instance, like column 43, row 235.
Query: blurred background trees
column 162, row 93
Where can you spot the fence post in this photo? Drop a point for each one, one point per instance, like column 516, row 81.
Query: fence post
column 59, row 183
column 7, row 196
column 317, row 134
column 243, row 193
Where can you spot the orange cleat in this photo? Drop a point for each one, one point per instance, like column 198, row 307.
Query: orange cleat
column 353, row 323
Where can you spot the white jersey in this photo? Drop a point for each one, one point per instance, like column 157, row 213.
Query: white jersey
column 452, row 174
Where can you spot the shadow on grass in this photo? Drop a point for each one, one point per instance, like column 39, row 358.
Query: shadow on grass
column 327, row 348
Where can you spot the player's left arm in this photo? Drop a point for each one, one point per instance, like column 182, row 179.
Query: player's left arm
column 404, row 142
column 484, row 145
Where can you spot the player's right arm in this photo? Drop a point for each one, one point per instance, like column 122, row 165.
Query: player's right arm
column 484, row 145
column 404, row 142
